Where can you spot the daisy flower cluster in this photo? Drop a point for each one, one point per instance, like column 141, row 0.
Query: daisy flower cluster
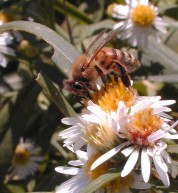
column 138, row 19
column 119, row 129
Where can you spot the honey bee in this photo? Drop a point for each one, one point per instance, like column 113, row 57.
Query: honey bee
column 99, row 61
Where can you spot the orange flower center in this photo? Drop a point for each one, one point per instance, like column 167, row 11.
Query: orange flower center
column 110, row 95
column 142, row 124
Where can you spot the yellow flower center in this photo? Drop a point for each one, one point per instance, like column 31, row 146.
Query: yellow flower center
column 21, row 156
column 102, row 137
column 118, row 185
column 110, row 95
column 101, row 169
column 142, row 124
column 143, row 15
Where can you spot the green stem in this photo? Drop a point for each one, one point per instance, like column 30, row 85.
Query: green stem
column 73, row 11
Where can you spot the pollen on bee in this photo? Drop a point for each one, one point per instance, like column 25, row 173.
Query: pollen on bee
column 109, row 95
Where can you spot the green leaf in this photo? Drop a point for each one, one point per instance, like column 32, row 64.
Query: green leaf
column 172, row 149
column 100, row 181
column 157, row 52
column 171, row 39
column 13, row 188
column 52, row 92
column 64, row 53
column 24, row 110
column 5, row 154
column 174, row 169
column 72, row 11
column 170, row 10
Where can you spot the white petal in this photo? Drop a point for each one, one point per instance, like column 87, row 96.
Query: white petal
column 118, row 25
column 70, row 120
column 78, row 144
column 120, row 11
column 82, row 155
column 169, row 136
column 73, row 185
column 92, row 118
column 128, row 151
column 166, row 156
column 145, row 165
column 160, row 162
column 75, row 163
column 163, row 175
column 95, row 109
column 144, row 2
column 174, row 125
column 156, row 135
column 132, row 160
column 107, row 155
column 68, row 170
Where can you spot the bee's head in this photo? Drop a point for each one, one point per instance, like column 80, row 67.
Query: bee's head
column 76, row 87
column 78, row 68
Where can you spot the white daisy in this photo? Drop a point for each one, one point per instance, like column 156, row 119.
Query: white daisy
column 5, row 40
column 144, row 131
column 25, row 160
column 84, row 176
column 139, row 20
column 90, row 127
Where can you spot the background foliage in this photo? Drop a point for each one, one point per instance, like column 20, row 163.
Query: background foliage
column 27, row 110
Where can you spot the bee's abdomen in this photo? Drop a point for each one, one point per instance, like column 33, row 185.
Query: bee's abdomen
column 127, row 60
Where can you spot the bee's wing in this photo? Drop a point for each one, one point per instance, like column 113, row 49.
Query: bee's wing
column 96, row 43
column 100, row 41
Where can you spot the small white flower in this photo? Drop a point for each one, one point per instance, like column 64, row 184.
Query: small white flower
column 139, row 20
column 83, row 176
column 25, row 161
column 5, row 41
column 144, row 131
column 87, row 128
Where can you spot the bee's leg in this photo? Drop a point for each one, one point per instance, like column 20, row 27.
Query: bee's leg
column 103, row 76
column 78, row 99
column 126, row 80
column 115, row 75
column 124, row 75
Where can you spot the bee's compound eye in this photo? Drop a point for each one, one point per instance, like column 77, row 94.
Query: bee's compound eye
column 77, row 86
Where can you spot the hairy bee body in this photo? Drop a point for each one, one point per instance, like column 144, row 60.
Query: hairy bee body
column 84, row 74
